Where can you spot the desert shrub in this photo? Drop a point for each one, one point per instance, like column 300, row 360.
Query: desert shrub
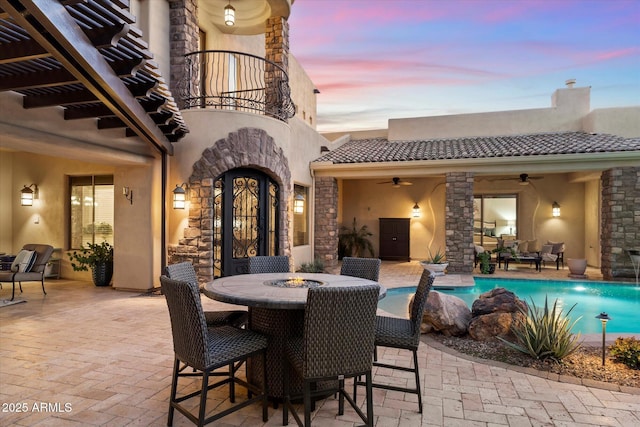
column 317, row 266
column 543, row 333
column 627, row 351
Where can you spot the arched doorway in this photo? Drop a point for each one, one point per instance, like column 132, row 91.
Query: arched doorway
column 246, row 218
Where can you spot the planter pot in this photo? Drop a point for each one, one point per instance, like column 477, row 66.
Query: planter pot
column 102, row 274
column 577, row 267
column 435, row 269
column 492, row 268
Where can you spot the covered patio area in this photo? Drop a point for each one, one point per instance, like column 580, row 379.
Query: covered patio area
column 96, row 356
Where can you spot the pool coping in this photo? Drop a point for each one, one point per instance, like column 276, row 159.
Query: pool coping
column 430, row 342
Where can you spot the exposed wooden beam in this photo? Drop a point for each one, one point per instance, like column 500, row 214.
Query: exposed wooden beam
column 22, row 51
column 89, row 111
column 48, row 78
column 63, row 98
column 51, row 26
column 110, row 123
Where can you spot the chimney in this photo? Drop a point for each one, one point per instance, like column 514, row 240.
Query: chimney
column 570, row 83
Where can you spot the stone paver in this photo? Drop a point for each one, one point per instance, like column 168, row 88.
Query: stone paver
column 87, row 356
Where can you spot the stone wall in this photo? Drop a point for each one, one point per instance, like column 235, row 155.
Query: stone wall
column 620, row 221
column 247, row 147
column 184, row 39
column 459, row 222
column 276, row 51
column 326, row 221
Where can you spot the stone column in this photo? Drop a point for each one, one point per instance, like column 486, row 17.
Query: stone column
column 276, row 51
column 620, row 221
column 326, row 220
column 185, row 34
column 459, row 222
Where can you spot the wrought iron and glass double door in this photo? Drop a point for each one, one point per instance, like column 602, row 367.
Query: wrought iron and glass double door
column 245, row 222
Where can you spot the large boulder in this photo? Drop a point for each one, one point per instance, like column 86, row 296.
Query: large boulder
column 493, row 314
column 446, row 314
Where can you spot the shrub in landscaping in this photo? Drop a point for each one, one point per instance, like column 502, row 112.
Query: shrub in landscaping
column 317, row 266
column 543, row 333
column 627, row 351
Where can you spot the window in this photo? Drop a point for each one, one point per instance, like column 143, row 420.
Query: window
column 494, row 216
column 91, row 210
column 300, row 215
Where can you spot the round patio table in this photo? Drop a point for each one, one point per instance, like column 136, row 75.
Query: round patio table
column 276, row 304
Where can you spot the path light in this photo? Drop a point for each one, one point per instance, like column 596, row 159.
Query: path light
column 604, row 318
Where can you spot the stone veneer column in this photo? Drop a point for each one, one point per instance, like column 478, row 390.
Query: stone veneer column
column 459, row 222
column 276, row 51
column 184, row 33
column 326, row 220
column 620, row 221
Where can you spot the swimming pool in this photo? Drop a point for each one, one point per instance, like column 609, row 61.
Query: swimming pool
column 620, row 301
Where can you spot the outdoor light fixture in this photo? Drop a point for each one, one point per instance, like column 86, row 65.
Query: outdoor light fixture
column 555, row 209
column 298, row 204
column 27, row 195
column 229, row 15
column 180, row 196
column 604, row 318
column 128, row 194
column 416, row 211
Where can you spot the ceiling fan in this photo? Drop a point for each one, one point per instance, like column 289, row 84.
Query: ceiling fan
column 523, row 179
column 396, row 182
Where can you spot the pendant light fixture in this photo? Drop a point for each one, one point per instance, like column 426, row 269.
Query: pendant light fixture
column 229, row 15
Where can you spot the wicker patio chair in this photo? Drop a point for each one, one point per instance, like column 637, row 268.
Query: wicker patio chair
column 184, row 271
column 206, row 349
column 35, row 272
column 269, row 264
column 337, row 343
column 403, row 334
column 364, row 268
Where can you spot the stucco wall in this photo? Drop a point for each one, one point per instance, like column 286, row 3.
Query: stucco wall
column 618, row 121
column 9, row 196
column 569, row 106
column 592, row 207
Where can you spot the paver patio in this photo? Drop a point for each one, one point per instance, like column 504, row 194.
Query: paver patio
column 107, row 356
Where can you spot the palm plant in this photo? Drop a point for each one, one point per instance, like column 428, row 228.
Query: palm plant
column 354, row 241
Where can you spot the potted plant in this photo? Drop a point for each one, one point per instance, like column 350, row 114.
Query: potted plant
column 354, row 241
column 98, row 257
column 486, row 266
column 436, row 263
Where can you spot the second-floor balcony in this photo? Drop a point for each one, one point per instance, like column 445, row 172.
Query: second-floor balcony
column 228, row 80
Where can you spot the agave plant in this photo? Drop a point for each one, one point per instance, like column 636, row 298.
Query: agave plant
column 543, row 334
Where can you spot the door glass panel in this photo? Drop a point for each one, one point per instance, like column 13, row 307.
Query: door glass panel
column 273, row 218
column 218, row 189
column 245, row 217
column 494, row 217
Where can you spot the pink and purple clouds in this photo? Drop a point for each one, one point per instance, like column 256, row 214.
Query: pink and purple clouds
column 407, row 58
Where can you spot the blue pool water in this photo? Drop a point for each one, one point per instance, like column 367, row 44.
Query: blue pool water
column 620, row 301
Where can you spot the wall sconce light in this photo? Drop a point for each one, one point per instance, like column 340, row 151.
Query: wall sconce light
column 180, row 196
column 27, row 195
column 229, row 15
column 555, row 209
column 604, row 318
column 298, row 204
column 416, row 211
column 128, row 194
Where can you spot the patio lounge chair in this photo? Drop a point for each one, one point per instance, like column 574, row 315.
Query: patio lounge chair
column 29, row 271
column 337, row 343
column 206, row 350
column 185, row 272
column 269, row 264
column 364, row 268
column 403, row 334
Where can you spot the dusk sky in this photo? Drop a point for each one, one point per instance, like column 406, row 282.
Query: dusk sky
column 373, row 60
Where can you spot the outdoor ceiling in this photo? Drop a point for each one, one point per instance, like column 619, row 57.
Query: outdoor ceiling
column 86, row 57
column 251, row 15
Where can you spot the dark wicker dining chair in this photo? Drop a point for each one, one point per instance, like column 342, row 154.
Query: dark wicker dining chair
column 205, row 350
column 403, row 334
column 184, row 271
column 337, row 343
column 269, row 264
column 364, row 268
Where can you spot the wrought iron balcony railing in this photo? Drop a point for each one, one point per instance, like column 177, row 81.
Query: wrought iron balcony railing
column 229, row 80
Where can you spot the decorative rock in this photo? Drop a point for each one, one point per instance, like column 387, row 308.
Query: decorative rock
column 493, row 314
column 446, row 314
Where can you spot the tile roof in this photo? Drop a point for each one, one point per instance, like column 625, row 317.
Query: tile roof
column 542, row 144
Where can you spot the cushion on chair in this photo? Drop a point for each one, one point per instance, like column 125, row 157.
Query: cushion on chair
column 533, row 246
column 546, row 254
column 523, row 247
column 557, row 247
column 24, row 261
